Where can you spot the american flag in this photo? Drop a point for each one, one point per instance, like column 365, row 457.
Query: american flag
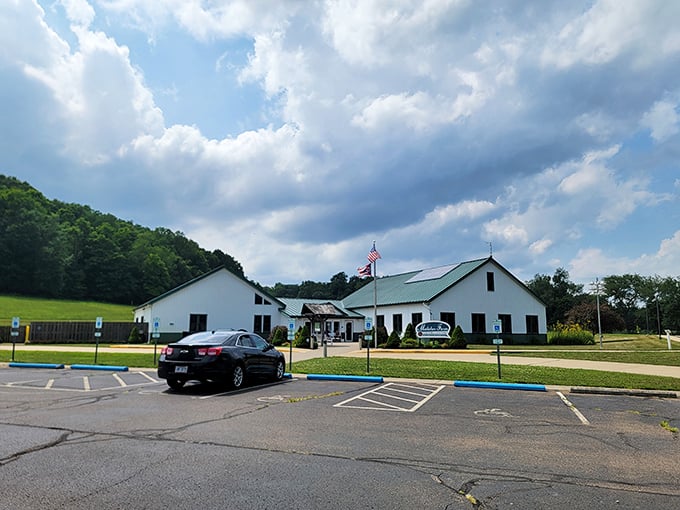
column 373, row 255
column 364, row 270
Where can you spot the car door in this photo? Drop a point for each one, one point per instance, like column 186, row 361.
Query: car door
column 266, row 359
column 250, row 353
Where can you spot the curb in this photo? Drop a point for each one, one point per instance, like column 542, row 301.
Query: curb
column 500, row 386
column 17, row 364
column 354, row 378
column 100, row 367
column 623, row 391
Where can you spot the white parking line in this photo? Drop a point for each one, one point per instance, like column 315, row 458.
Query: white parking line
column 86, row 383
column 49, row 384
column 387, row 391
column 571, row 406
column 119, row 379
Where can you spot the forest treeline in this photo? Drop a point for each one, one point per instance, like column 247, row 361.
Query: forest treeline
column 57, row 250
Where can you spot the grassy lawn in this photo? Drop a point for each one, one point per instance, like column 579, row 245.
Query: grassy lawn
column 414, row 369
column 454, row 370
column 35, row 309
column 669, row 358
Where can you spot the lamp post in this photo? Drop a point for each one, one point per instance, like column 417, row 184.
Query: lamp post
column 658, row 316
column 596, row 285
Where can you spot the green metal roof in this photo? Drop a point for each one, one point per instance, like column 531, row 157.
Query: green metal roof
column 294, row 306
column 414, row 287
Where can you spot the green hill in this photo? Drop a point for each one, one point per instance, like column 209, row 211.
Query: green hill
column 37, row 309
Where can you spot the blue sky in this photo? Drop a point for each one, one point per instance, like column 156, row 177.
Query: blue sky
column 293, row 134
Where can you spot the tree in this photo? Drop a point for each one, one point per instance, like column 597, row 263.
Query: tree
column 585, row 314
column 558, row 293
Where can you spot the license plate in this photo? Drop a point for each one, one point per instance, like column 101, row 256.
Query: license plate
column 181, row 370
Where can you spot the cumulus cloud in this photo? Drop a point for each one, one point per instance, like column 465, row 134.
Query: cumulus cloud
column 433, row 127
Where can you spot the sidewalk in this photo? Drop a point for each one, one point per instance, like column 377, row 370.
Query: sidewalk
column 352, row 350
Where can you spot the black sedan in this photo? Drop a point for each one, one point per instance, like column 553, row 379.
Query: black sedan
column 228, row 357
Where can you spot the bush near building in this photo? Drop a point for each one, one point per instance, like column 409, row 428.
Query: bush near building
column 570, row 334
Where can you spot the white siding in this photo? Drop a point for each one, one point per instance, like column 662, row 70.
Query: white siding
column 228, row 302
column 509, row 297
column 469, row 296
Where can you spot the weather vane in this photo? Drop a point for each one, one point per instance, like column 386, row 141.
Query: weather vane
column 490, row 248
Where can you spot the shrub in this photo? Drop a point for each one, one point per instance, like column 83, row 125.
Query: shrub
column 570, row 334
column 408, row 343
column 136, row 336
column 458, row 339
column 278, row 336
column 410, row 331
column 393, row 341
column 304, row 340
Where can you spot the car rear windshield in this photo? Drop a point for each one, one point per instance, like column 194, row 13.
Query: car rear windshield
column 208, row 337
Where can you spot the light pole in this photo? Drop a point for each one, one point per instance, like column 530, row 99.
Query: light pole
column 596, row 287
column 658, row 316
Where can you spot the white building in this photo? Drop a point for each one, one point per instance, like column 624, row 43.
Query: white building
column 217, row 299
column 471, row 294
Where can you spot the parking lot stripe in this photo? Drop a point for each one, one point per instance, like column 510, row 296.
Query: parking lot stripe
column 86, row 383
column 119, row 379
column 148, row 377
column 571, row 406
column 49, row 384
column 424, row 393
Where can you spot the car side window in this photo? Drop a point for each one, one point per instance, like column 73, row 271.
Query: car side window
column 245, row 341
column 258, row 342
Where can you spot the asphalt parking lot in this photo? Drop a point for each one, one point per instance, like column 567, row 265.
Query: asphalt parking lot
column 92, row 439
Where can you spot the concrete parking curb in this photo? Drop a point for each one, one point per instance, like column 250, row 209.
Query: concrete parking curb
column 624, row 391
column 500, row 385
column 18, row 364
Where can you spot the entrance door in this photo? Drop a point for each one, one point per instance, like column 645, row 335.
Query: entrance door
column 348, row 332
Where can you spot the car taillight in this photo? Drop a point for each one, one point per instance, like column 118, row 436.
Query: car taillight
column 202, row 351
column 214, row 351
column 166, row 350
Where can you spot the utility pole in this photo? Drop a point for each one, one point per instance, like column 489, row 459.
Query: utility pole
column 596, row 287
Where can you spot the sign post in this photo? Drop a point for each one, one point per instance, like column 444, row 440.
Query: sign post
column 155, row 335
column 15, row 333
column 97, row 335
column 368, row 326
column 498, row 329
column 291, row 337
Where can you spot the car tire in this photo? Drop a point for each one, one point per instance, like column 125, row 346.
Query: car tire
column 176, row 384
column 280, row 370
column 237, row 377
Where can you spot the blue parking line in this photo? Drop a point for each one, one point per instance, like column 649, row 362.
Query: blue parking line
column 500, row 386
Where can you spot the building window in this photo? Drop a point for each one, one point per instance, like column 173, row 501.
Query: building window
column 397, row 324
column 449, row 318
column 259, row 300
column 506, row 322
column 478, row 323
column 198, row 322
column 490, row 285
column 262, row 324
column 380, row 321
column 532, row 324
column 416, row 318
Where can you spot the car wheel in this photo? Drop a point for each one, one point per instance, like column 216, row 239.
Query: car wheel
column 237, row 377
column 176, row 384
column 280, row 370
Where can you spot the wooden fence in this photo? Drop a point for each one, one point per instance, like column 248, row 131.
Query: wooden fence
column 80, row 332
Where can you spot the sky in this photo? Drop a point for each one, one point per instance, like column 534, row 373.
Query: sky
column 292, row 134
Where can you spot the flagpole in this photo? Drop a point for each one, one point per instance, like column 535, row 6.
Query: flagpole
column 375, row 304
